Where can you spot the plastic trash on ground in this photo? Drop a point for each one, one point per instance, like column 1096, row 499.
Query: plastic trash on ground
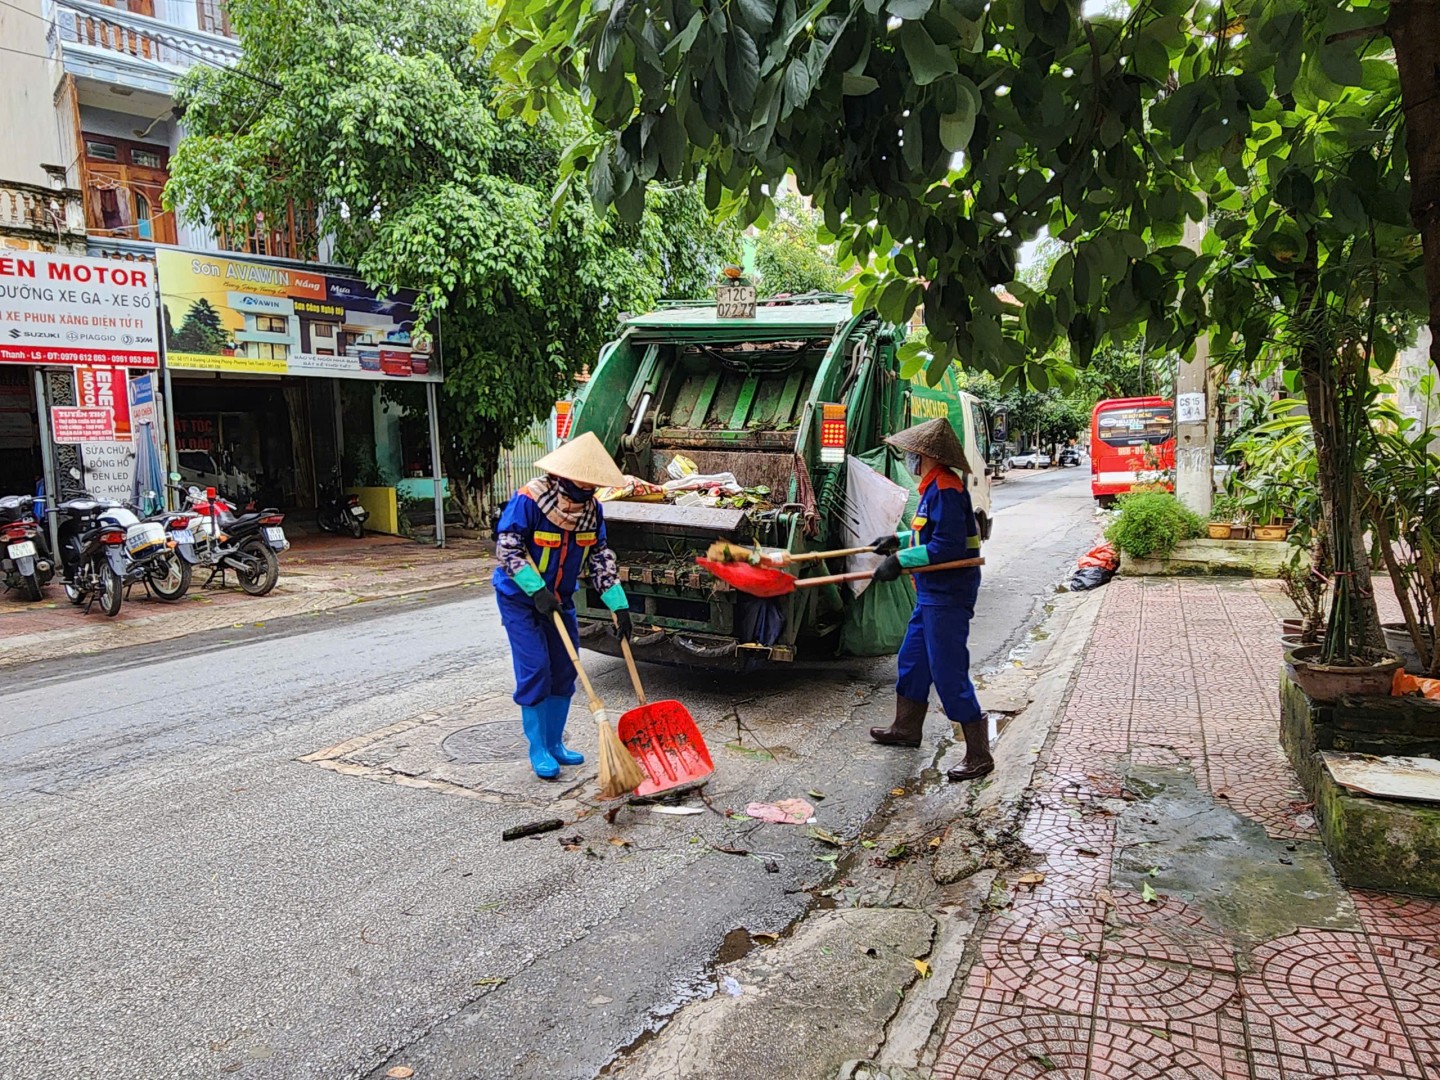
column 1095, row 568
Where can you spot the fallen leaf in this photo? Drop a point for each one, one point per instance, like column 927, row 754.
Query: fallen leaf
column 493, row 980
column 400, row 1072
column 922, row 967
column 619, row 841
column 1154, row 871
column 815, row 794
column 817, row 833
column 766, row 937
column 1148, row 894
column 826, row 858
column 1086, row 851
column 867, row 843
column 897, row 791
column 936, row 841
column 899, row 851
column 1031, row 879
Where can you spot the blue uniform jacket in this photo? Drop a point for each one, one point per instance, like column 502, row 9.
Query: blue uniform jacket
column 944, row 524
column 559, row 555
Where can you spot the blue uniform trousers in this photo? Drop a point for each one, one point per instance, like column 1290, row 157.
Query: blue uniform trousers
column 937, row 650
column 542, row 666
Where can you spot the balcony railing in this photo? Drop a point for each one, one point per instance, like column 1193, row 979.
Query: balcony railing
column 58, row 216
column 89, row 33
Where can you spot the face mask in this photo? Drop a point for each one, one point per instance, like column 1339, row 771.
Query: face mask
column 912, row 463
column 573, row 490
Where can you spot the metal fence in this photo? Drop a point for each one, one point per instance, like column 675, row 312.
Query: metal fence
column 516, row 466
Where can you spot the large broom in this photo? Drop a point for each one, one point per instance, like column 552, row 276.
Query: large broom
column 619, row 772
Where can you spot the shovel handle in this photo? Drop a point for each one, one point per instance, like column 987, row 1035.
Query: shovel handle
column 835, row 579
column 839, row 553
column 634, row 671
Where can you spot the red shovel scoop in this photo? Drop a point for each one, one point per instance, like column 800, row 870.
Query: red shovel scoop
column 663, row 738
column 765, row 582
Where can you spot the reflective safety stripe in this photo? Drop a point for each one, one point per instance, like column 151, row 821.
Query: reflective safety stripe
column 919, row 523
column 586, row 539
column 547, row 539
column 545, row 560
column 974, row 543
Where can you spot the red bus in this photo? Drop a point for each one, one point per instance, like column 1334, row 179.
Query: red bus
column 1132, row 441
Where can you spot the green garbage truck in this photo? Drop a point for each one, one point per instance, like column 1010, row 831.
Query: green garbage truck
column 780, row 402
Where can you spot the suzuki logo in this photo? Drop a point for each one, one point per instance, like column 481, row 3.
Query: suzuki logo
column 14, row 332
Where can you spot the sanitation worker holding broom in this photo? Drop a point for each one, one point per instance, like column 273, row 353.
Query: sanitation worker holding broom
column 936, row 648
column 551, row 531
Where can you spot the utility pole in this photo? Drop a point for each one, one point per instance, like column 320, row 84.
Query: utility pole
column 1194, row 433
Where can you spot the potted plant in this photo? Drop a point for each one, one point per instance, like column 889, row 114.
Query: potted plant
column 1403, row 494
column 1304, row 582
column 1227, row 518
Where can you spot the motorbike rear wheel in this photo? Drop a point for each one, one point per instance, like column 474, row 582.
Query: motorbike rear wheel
column 112, row 590
column 74, row 595
column 170, row 581
column 356, row 527
column 265, row 571
column 30, row 588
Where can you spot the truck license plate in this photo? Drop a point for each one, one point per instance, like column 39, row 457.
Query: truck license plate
column 23, row 550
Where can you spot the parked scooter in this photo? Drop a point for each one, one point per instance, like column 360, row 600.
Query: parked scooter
column 149, row 558
column 92, row 554
column 341, row 512
column 247, row 544
column 25, row 559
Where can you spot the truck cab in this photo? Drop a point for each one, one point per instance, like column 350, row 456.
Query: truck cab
column 780, row 401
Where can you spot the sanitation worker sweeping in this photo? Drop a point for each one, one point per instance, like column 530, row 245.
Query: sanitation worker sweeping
column 936, row 650
column 551, row 531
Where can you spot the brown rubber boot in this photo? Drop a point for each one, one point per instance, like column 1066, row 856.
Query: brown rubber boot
column 909, row 722
column 978, row 761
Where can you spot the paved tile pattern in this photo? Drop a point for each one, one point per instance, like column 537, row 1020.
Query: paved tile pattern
column 1083, row 980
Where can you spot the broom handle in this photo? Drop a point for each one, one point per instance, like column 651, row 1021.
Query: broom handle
column 841, row 553
column 835, row 579
column 634, row 671
column 595, row 704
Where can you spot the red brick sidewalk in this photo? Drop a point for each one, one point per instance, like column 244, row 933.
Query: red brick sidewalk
column 1083, row 978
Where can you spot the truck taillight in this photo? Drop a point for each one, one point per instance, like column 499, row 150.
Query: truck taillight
column 832, row 434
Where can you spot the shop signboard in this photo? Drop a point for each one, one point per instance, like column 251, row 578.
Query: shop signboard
column 80, row 424
column 247, row 317
column 72, row 310
column 105, row 388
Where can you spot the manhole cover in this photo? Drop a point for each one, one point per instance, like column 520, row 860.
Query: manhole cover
column 486, row 744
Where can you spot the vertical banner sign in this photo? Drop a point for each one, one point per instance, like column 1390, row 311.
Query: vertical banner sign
column 105, row 388
column 564, row 416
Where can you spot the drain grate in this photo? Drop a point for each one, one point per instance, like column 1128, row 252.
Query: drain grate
column 489, row 743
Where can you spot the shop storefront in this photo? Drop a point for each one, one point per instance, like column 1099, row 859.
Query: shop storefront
column 276, row 382
column 285, row 382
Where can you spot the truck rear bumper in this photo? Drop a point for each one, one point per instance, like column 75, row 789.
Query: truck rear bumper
column 684, row 648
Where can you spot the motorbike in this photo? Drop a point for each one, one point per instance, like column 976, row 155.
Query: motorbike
column 150, row 560
column 92, row 554
column 247, row 544
column 342, row 513
column 25, row 559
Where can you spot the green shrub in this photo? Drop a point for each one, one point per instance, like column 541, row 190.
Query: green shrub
column 1225, row 508
column 1151, row 523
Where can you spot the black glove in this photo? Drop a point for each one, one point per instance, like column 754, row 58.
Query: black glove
column 888, row 544
column 623, row 625
column 889, row 570
column 545, row 603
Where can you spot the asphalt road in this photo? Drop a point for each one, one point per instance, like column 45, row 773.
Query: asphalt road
column 181, row 895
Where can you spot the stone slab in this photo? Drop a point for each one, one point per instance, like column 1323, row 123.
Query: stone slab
column 1236, row 558
column 1410, row 778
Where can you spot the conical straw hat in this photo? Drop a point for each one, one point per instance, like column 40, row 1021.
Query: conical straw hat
column 583, row 460
column 935, row 439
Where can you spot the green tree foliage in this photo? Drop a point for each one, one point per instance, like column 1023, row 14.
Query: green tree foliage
column 200, row 331
column 377, row 119
column 789, row 257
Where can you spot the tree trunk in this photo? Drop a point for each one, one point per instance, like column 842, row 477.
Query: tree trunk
column 1414, row 28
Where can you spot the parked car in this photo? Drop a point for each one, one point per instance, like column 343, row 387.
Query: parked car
column 1035, row 459
column 1070, row 458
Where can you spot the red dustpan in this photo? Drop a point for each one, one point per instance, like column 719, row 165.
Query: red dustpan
column 663, row 738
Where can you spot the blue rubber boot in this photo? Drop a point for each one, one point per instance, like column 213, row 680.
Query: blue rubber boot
column 533, row 719
column 557, row 711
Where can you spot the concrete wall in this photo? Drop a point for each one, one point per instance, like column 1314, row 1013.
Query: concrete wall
column 32, row 132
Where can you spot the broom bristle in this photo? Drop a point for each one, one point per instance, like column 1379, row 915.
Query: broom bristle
column 620, row 773
column 723, row 551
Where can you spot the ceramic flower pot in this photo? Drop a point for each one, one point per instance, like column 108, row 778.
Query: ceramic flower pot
column 1271, row 532
column 1329, row 682
column 1397, row 640
column 1219, row 530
